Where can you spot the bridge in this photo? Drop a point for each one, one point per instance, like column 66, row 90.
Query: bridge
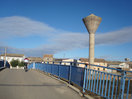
column 18, row 84
column 37, row 84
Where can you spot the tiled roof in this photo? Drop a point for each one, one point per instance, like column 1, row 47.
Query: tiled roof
column 95, row 60
column 48, row 55
column 130, row 63
column 114, row 62
column 13, row 55
column 59, row 59
column 39, row 59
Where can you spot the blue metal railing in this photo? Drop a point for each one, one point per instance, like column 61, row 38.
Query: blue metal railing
column 7, row 65
column 1, row 65
column 107, row 85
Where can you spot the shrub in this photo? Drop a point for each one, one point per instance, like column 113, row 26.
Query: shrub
column 14, row 63
column 21, row 64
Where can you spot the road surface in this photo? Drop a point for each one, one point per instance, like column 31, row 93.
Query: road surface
column 18, row 84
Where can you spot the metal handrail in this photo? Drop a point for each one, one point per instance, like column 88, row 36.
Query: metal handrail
column 93, row 65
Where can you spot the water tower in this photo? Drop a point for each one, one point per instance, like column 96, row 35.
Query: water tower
column 92, row 22
column 127, row 59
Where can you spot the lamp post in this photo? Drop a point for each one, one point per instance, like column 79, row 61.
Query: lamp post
column 91, row 22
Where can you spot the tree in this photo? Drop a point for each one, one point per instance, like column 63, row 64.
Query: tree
column 21, row 64
column 14, row 63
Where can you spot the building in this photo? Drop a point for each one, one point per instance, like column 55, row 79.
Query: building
column 130, row 65
column 35, row 59
column 48, row 58
column 72, row 62
column 58, row 60
column 10, row 57
column 113, row 63
column 124, row 65
column 100, row 62
column 120, row 65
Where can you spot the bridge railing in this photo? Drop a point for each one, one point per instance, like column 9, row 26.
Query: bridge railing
column 1, row 65
column 108, row 85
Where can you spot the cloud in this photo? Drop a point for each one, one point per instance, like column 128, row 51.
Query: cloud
column 71, row 40
column 21, row 26
column 115, row 37
column 60, row 40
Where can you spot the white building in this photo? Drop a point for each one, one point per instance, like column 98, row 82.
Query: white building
column 10, row 57
column 119, row 65
column 124, row 65
column 67, row 62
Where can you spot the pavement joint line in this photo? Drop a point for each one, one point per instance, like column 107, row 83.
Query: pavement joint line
column 68, row 85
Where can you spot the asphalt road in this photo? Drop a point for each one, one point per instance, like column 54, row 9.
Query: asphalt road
column 18, row 84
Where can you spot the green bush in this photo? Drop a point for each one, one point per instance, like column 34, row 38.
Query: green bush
column 14, row 63
column 21, row 64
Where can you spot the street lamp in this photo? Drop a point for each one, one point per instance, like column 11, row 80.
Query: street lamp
column 92, row 22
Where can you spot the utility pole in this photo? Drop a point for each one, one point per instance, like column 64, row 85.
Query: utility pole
column 5, row 58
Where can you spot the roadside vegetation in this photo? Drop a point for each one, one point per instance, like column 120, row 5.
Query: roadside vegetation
column 15, row 63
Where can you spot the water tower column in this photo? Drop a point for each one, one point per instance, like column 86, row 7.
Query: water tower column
column 91, row 47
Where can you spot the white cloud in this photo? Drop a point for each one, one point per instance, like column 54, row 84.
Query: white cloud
column 17, row 26
column 115, row 37
column 21, row 26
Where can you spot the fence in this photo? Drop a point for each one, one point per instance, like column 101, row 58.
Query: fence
column 107, row 85
column 2, row 64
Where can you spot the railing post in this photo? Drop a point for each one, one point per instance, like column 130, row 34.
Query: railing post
column 70, row 72
column 122, row 85
column 47, row 67
column 84, row 79
column 59, row 70
column 52, row 68
column 34, row 65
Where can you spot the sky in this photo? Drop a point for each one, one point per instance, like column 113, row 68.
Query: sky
column 38, row 27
